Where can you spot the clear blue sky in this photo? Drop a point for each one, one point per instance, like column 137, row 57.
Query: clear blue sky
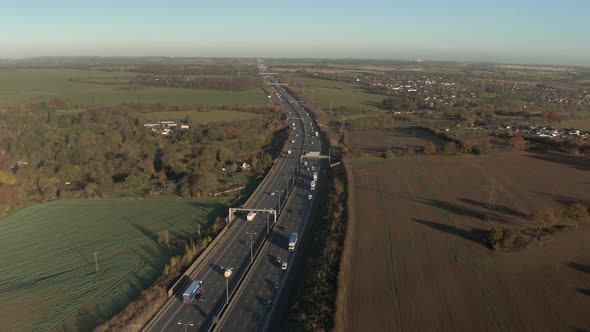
column 518, row 31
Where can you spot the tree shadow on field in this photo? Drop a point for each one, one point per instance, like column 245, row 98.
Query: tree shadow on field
column 476, row 235
column 496, row 208
column 465, row 211
column 216, row 210
column 580, row 267
column 561, row 158
column 565, row 200
column 145, row 231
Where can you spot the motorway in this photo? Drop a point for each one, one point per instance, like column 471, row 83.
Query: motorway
column 257, row 298
column 233, row 249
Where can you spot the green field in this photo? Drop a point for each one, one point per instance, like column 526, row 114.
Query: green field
column 334, row 93
column 22, row 85
column 200, row 117
column 47, row 270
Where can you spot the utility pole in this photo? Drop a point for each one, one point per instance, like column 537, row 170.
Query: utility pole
column 492, row 194
column 251, row 244
column 491, row 198
column 279, row 198
column 331, row 111
column 96, row 261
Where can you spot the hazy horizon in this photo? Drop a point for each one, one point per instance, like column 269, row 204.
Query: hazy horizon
column 527, row 32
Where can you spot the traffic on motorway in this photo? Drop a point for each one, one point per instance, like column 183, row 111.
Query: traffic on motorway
column 255, row 302
column 203, row 304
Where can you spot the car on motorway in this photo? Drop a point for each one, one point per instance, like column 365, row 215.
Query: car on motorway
column 284, row 266
column 310, row 196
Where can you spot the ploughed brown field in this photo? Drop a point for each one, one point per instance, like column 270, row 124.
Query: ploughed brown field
column 396, row 138
column 417, row 259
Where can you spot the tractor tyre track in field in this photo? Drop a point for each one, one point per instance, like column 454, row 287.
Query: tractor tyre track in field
column 386, row 224
column 460, row 257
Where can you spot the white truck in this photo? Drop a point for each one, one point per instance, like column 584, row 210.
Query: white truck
column 293, row 241
column 251, row 215
column 315, row 176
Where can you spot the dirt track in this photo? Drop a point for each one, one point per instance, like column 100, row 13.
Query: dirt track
column 419, row 261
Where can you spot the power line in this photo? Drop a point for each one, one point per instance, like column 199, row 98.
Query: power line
column 492, row 194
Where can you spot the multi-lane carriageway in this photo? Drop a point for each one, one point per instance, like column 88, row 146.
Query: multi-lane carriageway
column 250, row 309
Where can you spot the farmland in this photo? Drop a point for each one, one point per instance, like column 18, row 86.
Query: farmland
column 200, row 117
column 25, row 85
column 418, row 256
column 396, row 138
column 336, row 94
column 47, row 275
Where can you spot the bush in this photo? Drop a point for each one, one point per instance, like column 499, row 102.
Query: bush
column 451, row 148
column 495, row 236
column 577, row 213
column 409, row 152
column 516, row 142
column 429, row 149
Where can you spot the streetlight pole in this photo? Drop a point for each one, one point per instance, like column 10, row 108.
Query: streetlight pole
column 251, row 255
column 227, row 274
column 186, row 325
column 279, row 198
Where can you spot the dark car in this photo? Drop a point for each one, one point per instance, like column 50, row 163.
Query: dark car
column 268, row 304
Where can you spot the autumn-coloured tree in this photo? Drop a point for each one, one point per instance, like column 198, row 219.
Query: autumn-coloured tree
column 451, row 148
column 429, row 149
column 465, row 147
column 495, row 236
column 543, row 217
column 409, row 151
column 577, row 213
column 517, row 142
column 574, row 144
